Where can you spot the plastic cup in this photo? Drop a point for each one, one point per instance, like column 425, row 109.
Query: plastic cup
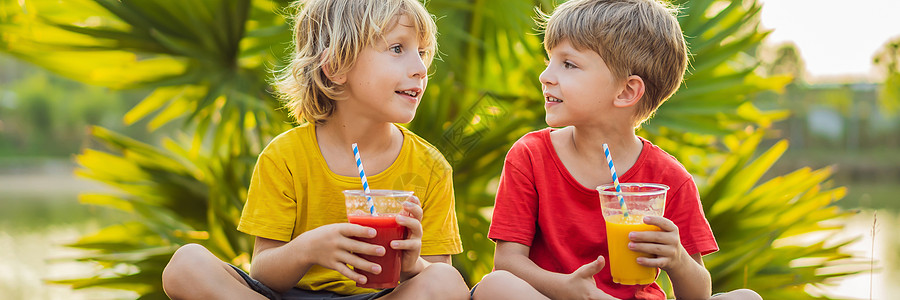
column 388, row 203
column 641, row 199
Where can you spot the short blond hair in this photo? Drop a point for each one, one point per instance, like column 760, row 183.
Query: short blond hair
column 634, row 37
column 331, row 33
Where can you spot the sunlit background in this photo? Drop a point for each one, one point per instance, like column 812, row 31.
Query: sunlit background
column 837, row 41
column 836, row 122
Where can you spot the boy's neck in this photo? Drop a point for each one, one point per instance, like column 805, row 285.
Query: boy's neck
column 589, row 140
column 580, row 149
column 370, row 135
column 379, row 144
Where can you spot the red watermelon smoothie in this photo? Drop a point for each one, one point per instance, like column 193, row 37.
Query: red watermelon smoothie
column 388, row 203
column 387, row 230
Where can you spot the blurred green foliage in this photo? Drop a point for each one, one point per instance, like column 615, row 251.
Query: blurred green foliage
column 888, row 58
column 208, row 63
column 44, row 115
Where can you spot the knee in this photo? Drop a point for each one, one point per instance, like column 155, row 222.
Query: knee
column 446, row 274
column 747, row 294
column 183, row 265
column 443, row 281
column 494, row 284
column 498, row 277
column 741, row 294
column 183, row 259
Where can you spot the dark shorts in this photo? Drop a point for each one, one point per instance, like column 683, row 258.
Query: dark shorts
column 301, row 294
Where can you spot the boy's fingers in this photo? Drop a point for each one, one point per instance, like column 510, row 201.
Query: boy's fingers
column 661, row 222
column 415, row 227
column 413, row 208
column 346, row 271
column 406, row 244
column 657, row 262
column 656, row 237
column 659, row 250
column 359, row 263
column 361, row 247
column 414, row 200
column 588, row 270
column 646, row 236
column 354, row 230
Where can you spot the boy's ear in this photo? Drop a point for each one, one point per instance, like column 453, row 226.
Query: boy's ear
column 631, row 93
column 325, row 69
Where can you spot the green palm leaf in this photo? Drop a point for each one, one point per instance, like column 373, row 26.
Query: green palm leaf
column 194, row 47
column 760, row 227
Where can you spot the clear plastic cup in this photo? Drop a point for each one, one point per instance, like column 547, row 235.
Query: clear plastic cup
column 641, row 199
column 388, row 203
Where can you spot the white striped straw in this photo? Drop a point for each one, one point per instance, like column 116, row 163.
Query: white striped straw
column 365, row 183
column 612, row 169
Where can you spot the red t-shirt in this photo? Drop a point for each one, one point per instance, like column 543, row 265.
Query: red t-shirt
column 540, row 205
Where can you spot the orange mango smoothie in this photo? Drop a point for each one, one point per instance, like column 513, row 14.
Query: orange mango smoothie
column 622, row 261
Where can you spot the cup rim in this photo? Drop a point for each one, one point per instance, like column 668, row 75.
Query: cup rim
column 603, row 189
column 379, row 193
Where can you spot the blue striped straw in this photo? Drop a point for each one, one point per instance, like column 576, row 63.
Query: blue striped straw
column 365, row 183
column 612, row 169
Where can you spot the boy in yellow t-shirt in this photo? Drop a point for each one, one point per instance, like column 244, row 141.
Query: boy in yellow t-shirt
column 359, row 67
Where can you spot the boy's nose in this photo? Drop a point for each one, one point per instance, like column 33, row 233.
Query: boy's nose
column 547, row 77
column 418, row 68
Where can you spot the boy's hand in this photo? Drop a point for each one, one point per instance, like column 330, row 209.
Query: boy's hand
column 332, row 246
column 581, row 285
column 665, row 244
column 411, row 247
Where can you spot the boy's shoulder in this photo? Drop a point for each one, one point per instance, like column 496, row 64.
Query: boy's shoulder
column 654, row 159
column 533, row 141
column 420, row 148
column 531, row 146
column 297, row 138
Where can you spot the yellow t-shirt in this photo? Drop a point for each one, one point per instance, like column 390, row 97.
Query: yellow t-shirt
column 293, row 191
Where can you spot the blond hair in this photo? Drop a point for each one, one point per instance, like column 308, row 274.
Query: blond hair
column 634, row 37
column 330, row 34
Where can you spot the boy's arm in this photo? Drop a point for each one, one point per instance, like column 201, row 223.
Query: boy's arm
column 438, row 259
column 280, row 265
column 267, row 252
column 513, row 257
column 691, row 281
column 423, row 262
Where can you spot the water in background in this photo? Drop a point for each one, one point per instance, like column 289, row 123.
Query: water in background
column 39, row 212
column 881, row 247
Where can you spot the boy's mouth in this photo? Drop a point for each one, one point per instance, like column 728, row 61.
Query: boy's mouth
column 552, row 99
column 410, row 92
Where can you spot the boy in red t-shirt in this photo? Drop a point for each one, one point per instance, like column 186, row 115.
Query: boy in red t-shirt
column 611, row 64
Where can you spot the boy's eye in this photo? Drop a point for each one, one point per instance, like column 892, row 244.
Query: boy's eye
column 423, row 53
column 397, row 49
column 569, row 65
